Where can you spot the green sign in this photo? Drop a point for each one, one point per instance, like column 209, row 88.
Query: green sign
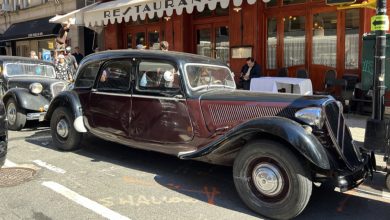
column 339, row 2
column 380, row 23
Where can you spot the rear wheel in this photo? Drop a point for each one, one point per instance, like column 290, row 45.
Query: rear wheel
column 271, row 180
column 16, row 116
column 64, row 135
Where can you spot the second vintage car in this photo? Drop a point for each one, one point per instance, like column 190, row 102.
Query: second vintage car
column 27, row 86
column 187, row 105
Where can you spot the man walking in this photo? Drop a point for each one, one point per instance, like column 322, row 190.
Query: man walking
column 77, row 55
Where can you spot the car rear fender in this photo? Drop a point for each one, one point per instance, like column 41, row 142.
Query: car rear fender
column 70, row 100
column 286, row 129
column 25, row 99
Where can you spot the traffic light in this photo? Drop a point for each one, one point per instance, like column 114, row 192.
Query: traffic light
column 339, row 2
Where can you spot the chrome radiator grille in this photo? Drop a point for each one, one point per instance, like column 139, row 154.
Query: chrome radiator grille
column 57, row 88
column 341, row 135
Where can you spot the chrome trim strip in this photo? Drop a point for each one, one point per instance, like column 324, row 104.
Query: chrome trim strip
column 140, row 96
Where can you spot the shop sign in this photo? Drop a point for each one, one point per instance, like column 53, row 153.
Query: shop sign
column 35, row 34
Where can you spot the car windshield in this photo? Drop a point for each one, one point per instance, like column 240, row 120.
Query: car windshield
column 29, row 69
column 202, row 76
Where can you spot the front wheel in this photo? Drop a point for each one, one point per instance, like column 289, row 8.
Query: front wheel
column 271, row 180
column 16, row 116
column 64, row 135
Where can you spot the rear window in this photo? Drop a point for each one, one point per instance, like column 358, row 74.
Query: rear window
column 26, row 69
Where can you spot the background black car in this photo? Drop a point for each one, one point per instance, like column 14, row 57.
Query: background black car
column 3, row 134
column 27, row 86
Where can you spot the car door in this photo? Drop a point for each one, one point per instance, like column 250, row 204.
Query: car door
column 110, row 101
column 159, row 110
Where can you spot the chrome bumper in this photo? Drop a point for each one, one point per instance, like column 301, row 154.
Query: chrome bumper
column 36, row 116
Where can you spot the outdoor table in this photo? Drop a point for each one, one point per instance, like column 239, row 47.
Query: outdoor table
column 288, row 84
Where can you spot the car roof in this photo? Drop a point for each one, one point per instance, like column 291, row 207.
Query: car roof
column 178, row 57
column 23, row 60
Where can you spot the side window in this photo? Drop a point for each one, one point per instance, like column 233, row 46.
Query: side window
column 86, row 77
column 158, row 76
column 115, row 76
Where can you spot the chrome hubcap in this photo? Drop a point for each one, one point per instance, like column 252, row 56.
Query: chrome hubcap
column 11, row 113
column 267, row 179
column 62, row 128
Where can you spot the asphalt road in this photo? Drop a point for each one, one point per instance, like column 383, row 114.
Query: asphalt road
column 106, row 180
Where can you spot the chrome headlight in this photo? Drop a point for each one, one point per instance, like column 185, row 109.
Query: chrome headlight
column 312, row 116
column 36, row 88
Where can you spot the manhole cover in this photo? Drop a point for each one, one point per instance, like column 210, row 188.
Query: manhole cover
column 12, row 176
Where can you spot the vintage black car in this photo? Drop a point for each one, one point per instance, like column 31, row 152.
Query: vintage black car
column 27, row 86
column 187, row 105
column 3, row 134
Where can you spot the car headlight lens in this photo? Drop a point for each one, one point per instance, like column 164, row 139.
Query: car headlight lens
column 36, row 88
column 312, row 116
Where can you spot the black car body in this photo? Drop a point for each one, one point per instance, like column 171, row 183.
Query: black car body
column 3, row 134
column 28, row 86
column 277, row 144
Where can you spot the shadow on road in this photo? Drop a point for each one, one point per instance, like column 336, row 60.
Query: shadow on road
column 214, row 184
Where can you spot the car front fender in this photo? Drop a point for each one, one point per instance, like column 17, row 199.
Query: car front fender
column 68, row 99
column 286, row 129
column 25, row 99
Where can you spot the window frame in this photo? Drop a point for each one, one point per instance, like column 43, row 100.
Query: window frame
column 99, row 63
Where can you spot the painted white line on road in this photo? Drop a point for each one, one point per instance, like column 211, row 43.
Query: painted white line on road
column 81, row 200
column 49, row 166
column 9, row 163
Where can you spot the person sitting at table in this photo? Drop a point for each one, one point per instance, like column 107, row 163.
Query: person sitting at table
column 250, row 70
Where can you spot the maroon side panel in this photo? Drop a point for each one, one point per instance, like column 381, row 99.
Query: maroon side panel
column 110, row 113
column 161, row 120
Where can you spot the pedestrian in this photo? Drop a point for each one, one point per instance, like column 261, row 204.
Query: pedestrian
column 33, row 55
column 62, row 35
column 78, row 55
column 71, row 61
column 250, row 70
column 164, row 45
column 63, row 71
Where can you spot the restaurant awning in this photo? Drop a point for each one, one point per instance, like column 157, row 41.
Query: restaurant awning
column 31, row 29
column 123, row 10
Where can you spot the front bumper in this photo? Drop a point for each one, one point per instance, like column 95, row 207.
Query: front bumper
column 347, row 180
column 36, row 116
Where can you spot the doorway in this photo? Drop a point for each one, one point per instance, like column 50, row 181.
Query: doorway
column 212, row 40
column 149, row 37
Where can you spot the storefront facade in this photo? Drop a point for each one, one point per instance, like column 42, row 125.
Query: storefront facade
column 296, row 34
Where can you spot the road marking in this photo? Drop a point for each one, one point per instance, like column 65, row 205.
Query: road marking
column 9, row 163
column 49, row 166
column 81, row 200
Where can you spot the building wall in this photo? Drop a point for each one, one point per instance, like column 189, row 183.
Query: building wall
column 37, row 11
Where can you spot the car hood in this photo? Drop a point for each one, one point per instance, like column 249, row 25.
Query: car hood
column 227, row 108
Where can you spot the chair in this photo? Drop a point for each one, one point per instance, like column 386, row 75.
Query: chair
column 330, row 78
column 283, row 72
column 302, row 73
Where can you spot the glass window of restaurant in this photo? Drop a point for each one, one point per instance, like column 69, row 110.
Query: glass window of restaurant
column 294, row 40
column 352, row 38
column 324, row 44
